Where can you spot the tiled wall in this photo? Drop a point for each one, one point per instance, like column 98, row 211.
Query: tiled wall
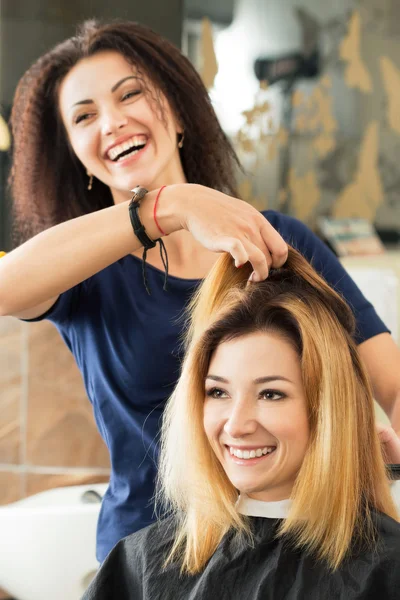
column 48, row 437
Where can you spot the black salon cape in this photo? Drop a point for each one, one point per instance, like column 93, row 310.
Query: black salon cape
column 269, row 571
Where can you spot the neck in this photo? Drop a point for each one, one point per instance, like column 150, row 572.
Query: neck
column 187, row 257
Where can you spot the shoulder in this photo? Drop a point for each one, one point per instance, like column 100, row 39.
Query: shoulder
column 301, row 237
column 152, row 541
column 133, row 560
column 324, row 261
column 389, row 534
column 384, row 579
column 293, row 231
column 384, row 558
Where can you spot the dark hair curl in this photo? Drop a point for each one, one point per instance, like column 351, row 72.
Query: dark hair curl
column 48, row 182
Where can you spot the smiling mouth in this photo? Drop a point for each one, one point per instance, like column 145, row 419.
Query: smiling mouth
column 254, row 454
column 127, row 149
column 130, row 152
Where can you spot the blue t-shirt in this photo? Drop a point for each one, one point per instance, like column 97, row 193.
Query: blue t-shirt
column 128, row 347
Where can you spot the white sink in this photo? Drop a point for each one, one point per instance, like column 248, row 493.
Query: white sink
column 48, row 544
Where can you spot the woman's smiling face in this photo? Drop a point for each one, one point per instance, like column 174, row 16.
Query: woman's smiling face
column 115, row 125
column 255, row 414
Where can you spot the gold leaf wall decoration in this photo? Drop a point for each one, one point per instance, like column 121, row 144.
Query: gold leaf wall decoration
column 298, row 99
column 245, row 189
column 209, row 67
column 326, row 81
column 391, row 81
column 324, row 144
column 245, row 143
column 254, row 137
column 356, row 74
column 272, row 149
column 314, row 115
column 259, row 202
column 282, row 196
column 282, row 136
column 364, row 195
column 324, row 112
column 305, row 193
column 301, row 123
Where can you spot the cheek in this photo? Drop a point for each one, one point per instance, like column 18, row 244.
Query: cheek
column 212, row 420
column 298, row 435
column 83, row 143
column 289, row 426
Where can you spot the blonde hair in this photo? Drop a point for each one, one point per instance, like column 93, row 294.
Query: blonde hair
column 342, row 477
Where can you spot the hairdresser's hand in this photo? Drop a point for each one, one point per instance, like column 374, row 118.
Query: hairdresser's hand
column 390, row 443
column 224, row 224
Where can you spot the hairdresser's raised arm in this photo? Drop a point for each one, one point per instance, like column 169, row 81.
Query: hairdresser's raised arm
column 35, row 274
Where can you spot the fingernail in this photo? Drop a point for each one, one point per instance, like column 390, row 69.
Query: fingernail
column 251, row 278
column 240, row 266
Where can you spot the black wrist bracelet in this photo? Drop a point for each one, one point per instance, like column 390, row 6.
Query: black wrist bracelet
column 139, row 230
column 138, row 227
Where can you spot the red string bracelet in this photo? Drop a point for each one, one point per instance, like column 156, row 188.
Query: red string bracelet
column 155, row 210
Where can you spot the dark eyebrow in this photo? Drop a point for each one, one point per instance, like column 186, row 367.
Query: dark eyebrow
column 121, row 81
column 257, row 381
column 113, row 89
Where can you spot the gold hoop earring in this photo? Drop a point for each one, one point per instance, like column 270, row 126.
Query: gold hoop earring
column 180, row 143
column 90, row 184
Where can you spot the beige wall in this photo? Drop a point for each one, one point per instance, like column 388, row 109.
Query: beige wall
column 48, row 437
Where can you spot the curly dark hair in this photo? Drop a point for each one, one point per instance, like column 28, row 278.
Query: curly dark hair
column 48, row 182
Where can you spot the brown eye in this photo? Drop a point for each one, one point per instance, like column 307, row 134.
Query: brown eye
column 82, row 117
column 271, row 395
column 216, row 393
column 131, row 94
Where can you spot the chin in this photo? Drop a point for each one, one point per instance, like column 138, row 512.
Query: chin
column 246, row 488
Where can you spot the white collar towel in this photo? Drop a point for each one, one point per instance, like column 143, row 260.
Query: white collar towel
column 259, row 508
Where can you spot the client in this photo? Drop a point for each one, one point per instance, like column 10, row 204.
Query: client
column 270, row 469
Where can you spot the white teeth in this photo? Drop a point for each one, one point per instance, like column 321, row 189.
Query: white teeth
column 136, row 140
column 246, row 454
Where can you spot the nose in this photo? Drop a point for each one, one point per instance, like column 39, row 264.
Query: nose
column 241, row 420
column 112, row 120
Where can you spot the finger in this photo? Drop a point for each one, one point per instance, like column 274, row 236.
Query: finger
column 260, row 261
column 390, row 442
column 235, row 248
column 276, row 245
column 245, row 251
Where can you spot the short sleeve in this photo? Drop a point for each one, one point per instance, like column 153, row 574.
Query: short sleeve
column 326, row 264
column 64, row 309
